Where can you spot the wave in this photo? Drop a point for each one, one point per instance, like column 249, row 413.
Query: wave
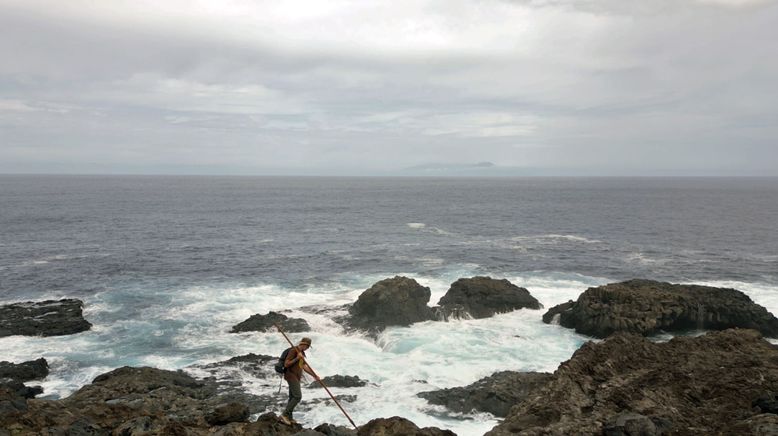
column 553, row 238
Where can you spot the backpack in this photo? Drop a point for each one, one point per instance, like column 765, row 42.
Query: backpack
column 279, row 366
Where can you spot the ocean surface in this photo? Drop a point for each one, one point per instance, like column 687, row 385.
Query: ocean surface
column 167, row 265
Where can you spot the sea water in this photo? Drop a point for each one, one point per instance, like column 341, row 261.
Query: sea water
column 167, row 265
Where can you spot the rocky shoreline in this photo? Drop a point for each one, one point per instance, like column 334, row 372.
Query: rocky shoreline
column 722, row 382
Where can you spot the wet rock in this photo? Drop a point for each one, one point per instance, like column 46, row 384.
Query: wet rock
column 44, row 318
column 645, row 307
column 332, row 430
column 767, row 403
column 340, row 381
column 689, row 385
column 226, row 413
column 20, row 389
column 552, row 313
column 635, row 424
column 482, row 297
column 264, row 323
column 25, row 371
column 397, row 426
column 398, row 301
column 495, row 394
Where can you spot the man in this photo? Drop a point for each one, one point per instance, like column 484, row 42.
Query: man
column 295, row 365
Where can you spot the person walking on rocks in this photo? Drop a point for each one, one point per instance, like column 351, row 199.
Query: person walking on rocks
column 294, row 365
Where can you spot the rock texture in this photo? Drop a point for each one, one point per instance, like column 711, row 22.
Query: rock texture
column 495, row 394
column 646, row 307
column 340, row 381
column 629, row 385
column 25, row 371
column 44, row 318
column 482, row 297
column 397, row 426
column 263, row 323
column 399, row 301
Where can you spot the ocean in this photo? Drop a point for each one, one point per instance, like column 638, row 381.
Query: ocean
column 167, row 265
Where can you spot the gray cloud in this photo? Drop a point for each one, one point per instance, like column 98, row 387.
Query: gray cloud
column 550, row 87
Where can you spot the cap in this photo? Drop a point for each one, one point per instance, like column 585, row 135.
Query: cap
column 306, row 341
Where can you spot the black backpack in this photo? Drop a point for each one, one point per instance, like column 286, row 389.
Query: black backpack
column 281, row 360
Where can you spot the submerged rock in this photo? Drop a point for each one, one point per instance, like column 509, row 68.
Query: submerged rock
column 44, row 318
column 495, row 394
column 482, row 297
column 646, row 307
column 263, row 323
column 340, row 381
column 398, row 301
column 25, row 371
column 689, row 385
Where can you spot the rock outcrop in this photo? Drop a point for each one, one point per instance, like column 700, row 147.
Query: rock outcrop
column 482, row 297
column 263, row 323
column 25, row 371
column 495, row 394
column 398, row 301
column 645, row 307
column 690, row 385
column 397, row 426
column 44, row 318
column 340, row 381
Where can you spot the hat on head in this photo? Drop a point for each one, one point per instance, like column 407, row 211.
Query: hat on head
column 306, row 341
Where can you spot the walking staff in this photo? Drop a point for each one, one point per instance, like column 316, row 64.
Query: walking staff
column 297, row 357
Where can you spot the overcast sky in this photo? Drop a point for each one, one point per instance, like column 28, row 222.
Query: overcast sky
column 557, row 87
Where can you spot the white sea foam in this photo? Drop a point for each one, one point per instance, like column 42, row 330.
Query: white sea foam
column 416, row 225
column 554, row 238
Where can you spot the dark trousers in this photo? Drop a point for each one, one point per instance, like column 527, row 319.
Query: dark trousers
column 295, row 395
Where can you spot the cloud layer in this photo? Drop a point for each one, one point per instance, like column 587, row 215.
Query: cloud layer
column 347, row 87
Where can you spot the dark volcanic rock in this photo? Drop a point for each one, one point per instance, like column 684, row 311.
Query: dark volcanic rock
column 399, row 301
column 397, row 426
column 25, row 371
column 44, row 318
column 548, row 317
column 340, row 381
column 646, row 307
column 333, row 430
column 263, row 323
column 226, row 413
column 482, row 297
column 20, row 389
column 495, row 394
column 689, row 385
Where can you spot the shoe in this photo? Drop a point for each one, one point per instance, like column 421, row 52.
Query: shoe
column 285, row 420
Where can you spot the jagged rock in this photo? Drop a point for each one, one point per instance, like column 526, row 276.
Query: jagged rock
column 263, row 323
column 767, row 403
column 397, row 426
column 689, row 385
column 399, row 301
column 20, row 389
column 340, row 381
column 332, row 430
column 44, row 318
column 495, row 394
column 226, row 413
column 549, row 316
column 482, row 297
column 635, row 424
column 25, row 371
column 646, row 307
column 258, row 365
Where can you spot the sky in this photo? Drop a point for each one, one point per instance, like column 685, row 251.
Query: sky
column 447, row 87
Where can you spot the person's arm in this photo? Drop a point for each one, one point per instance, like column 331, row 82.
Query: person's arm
column 308, row 369
column 291, row 358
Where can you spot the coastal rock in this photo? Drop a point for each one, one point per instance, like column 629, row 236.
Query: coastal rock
column 397, row 426
column 25, row 371
column 20, row 389
column 398, row 301
column 44, row 318
column 482, row 297
column 333, row 430
column 263, row 323
column 340, row 381
column 690, row 385
column 646, row 307
column 552, row 313
column 495, row 394
column 227, row 413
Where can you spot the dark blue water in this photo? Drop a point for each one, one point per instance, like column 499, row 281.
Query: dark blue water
column 76, row 235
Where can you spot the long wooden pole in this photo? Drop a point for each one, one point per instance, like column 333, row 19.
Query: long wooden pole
column 318, row 379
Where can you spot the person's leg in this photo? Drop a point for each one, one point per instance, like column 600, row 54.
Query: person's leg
column 295, row 395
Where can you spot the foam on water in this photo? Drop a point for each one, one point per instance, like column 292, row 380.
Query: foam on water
column 178, row 328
